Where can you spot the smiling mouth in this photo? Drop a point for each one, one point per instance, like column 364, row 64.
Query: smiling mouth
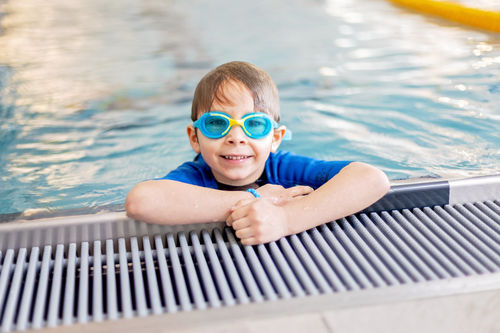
column 236, row 157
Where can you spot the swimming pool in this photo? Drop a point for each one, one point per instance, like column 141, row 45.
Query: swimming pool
column 95, row 96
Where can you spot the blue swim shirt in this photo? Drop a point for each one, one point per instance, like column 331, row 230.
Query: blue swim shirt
column 282, row 168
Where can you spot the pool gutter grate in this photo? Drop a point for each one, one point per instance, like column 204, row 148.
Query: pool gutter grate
column 186, row 270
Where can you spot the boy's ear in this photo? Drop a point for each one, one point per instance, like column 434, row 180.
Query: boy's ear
column 193, row 138
column 278, row 135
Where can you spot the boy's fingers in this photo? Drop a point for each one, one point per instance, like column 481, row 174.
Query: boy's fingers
column 244, row 233
column 241, row 223
column 299, row 190
column 229, row 221
column 239, row 212
column 249, row 241
column 237, row 208
column 242, row 203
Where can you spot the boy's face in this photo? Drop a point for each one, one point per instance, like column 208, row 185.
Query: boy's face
column 235, row 159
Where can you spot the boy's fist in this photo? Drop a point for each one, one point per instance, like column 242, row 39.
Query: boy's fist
column 258, row 221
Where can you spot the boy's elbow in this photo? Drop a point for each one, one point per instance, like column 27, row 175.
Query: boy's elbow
column 136, row 203
column 376, row 178
column 380, row 182
column 383, row 183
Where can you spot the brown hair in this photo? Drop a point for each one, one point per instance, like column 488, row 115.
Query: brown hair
column 209, row 89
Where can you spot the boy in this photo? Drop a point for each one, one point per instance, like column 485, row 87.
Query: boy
column 238, row 175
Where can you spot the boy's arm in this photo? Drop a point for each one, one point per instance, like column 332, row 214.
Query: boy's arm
column 173, row 202
column 354, row 188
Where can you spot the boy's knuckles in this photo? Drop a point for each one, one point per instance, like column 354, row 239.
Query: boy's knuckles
column 260, row 230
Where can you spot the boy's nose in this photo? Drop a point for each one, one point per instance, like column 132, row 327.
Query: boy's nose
column 236, row 135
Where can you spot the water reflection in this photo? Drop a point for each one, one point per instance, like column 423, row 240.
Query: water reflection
column 95, row 96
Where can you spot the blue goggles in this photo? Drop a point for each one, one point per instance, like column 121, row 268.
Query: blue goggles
column 256, row 125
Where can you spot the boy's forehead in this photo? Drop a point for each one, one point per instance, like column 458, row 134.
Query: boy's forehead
column 231, row 94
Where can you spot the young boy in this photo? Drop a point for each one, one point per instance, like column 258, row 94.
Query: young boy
column 238, row 175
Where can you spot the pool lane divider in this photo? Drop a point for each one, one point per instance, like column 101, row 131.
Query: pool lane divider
column 473, row 17
column 438, row 193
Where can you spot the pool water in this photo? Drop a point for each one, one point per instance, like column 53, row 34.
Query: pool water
column 95, row 95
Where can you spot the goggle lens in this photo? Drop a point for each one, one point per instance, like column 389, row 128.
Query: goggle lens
column 216, row 125
column 258, row 126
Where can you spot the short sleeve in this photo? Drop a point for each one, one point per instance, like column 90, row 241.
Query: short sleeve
column 288, row 169
column 195, row 173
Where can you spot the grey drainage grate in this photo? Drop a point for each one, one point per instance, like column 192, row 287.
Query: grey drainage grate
column 83, row 282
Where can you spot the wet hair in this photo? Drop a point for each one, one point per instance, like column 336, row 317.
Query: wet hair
column 210, row 89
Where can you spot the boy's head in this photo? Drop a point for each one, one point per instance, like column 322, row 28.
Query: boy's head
column 236, row 93
column 210, row 89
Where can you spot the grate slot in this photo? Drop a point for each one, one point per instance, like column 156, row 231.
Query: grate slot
column 488, row 211
column 260, row 273
column 126, row 296
column 140, row 294
column 246, row 273
column 355, row 272
column 378, row 266
column 234, row 279
column 38, row 312
column 7, row 270
column 460, row 244
column 111, row 297
column 154, row 293
column 471, row 232
column 216, row 266
column 330, row 279
column 423, row 248
column 83, row 299
column 340, row 279
column 310, row 265
column 180, row 283
column 493, row 207
column 402, row 251
column 435, row 236
column 483, row 217
column 69, row 290
column 298, row 268
column 14, row 291
column 485, row 227
column 194, row 284
column 29, row 285
column 285, row 270
column 387, row 257
column 273, row 273
column 374, row 279
column 166, row 282
column 208, row 282
column 97, row 304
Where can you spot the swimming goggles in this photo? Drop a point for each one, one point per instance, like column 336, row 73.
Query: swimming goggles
column 256, row 125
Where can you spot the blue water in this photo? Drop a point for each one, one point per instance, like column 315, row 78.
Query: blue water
column 95, row 95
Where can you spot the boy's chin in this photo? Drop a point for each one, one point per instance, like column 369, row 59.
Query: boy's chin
column 234, row 180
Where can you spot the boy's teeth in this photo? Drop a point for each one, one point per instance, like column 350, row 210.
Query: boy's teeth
column 235, row 157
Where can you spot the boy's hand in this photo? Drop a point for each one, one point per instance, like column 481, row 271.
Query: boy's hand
column 280, row 195
column 258, row 221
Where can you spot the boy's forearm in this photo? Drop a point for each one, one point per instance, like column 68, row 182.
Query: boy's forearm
column 172, row 202
column 356, row 187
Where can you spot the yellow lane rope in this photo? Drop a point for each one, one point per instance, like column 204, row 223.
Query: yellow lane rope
column 478, row 18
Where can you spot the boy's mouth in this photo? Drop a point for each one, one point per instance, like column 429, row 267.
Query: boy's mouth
column 236, row 157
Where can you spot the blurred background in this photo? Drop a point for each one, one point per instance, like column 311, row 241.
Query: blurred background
column 95, row 95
